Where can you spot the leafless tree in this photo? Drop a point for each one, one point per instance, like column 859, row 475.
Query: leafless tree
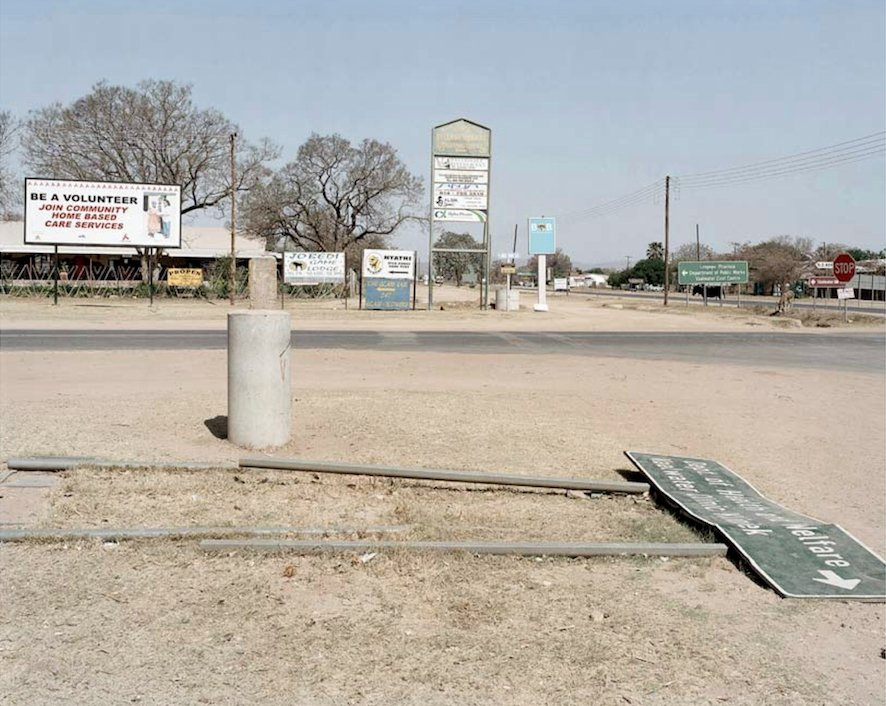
column 152, row 133
column 10, row 191
column 334, row 196
column 778, row 261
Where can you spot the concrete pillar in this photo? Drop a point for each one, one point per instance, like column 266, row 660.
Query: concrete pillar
column 263, row 283
column 259, row 380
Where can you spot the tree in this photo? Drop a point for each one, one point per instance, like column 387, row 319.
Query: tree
column 455, row 265
column 152, row 133
column 655, row 251
column 650, row 270
column 777, row 261
column 334, row 196
column 10, row 193
column 559, row 263
column 689, row 251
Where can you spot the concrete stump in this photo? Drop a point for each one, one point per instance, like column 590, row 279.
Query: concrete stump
column 259, row 379
column 262, row 283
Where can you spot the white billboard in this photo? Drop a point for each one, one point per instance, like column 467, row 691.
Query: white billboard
column 390, row 264
column 314, row 267
column 63, row 212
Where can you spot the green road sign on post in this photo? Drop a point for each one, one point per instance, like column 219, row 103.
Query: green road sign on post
column 798, row 556
column 712, row 272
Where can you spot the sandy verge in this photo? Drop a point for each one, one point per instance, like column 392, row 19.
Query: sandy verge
column 96, row 623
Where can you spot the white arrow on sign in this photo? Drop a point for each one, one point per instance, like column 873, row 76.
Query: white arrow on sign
column 833, row 579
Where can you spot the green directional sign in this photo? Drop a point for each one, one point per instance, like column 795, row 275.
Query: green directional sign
column 712, row 272
column 798, row 556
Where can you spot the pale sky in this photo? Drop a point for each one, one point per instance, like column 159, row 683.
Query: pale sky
column 587, row 100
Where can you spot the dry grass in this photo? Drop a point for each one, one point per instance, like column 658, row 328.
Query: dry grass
column 435, row 511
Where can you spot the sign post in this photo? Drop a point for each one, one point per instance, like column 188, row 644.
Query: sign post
column 542, row 242
column 461, row 152
column 844, row 270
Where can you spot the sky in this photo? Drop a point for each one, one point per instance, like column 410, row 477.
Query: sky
column 587, row 101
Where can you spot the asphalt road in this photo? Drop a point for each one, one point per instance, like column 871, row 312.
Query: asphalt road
column 872, row 308
column 858, row 352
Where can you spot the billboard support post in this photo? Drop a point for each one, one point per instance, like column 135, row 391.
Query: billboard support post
column 55, row 279
column 150, row 276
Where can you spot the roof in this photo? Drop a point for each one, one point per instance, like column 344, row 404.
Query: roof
column 197, row 242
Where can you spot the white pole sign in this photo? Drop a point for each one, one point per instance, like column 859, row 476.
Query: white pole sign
column 60, row 212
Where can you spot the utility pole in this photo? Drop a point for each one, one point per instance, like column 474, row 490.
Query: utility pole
column 666, row 238
column 627, row 262
column 697, row 244
column 233, row 282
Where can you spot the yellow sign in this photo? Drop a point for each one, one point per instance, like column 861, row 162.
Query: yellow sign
column 184, row 277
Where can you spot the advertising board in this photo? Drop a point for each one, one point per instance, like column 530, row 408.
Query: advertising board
column 389, row 264
column 455, row 195
column 305, row 268
column 542, row 236
column 463, row 215
column 191, row 277
column 63, row 212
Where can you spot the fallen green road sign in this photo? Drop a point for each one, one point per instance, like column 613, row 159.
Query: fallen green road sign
column 798, row 556
column 712, row 272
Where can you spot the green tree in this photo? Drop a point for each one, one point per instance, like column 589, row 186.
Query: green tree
column 651, row 270
column 655, row 251
column 559, row 263
column 455, row 265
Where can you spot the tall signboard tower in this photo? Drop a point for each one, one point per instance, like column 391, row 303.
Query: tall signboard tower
column 461, row 152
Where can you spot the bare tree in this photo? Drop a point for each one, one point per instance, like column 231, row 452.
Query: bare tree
column 334, row 196
column 778, row 261
column 153, row 134
column 10, row 193
column 558, row 262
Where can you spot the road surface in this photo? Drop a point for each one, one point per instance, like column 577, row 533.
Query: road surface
column 859, row 352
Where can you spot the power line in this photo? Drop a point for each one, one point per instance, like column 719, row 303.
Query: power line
column 833, row 161
column 644, row 194
column 852, row 150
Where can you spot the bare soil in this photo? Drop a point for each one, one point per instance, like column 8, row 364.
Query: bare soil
column 160, row 622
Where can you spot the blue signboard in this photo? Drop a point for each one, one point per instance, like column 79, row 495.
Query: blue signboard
column 387, row 294
column 542, row 236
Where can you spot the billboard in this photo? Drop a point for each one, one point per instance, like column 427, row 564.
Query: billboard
column 390, row 264
column 542, row 236
column 313, row 267
column 63, row 212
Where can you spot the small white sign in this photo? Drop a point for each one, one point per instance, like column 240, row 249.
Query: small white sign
column 561, row 284
column 456, row 195
column 459, row 214
column 460, row 177
column 468, row 163
column 824, row 265
column 390, row 264
column 313, row 267
column 846, row 293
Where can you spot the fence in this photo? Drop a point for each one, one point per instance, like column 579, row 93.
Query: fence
column 35, row 279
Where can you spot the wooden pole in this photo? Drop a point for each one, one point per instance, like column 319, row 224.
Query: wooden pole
column 666, row 237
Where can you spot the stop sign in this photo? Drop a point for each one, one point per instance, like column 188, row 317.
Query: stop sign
column 844, row 267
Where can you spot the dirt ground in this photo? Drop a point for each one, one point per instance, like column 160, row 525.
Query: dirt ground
column 160, row 622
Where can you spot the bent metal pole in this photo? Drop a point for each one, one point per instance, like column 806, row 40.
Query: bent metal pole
column 599, row 486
